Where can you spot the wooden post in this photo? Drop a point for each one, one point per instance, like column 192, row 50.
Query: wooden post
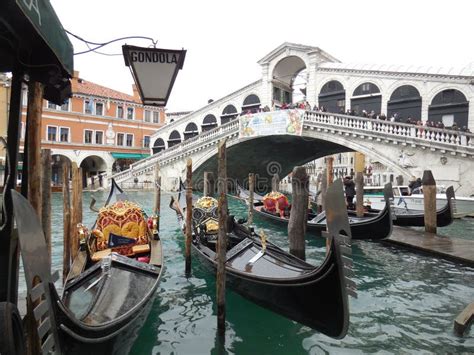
column 429, row 197
column 212, row 187
column 156, row 210
column 324, row 188
column 251, row 191
column 222, row 237
column 275, row 183
column 76, row 209
column 299, row 212
column 189, row 214
column 66, row 221
column 330, row 169
column 46, row 197
column 33, row 171
column 207, row 183
column 359, row 183
column 35, row 110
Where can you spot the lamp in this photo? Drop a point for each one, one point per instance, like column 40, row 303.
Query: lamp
column 154, row 71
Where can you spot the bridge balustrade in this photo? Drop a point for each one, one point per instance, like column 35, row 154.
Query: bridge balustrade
column 437, row 135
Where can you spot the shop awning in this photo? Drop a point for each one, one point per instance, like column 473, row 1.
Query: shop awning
column 34, row 39
column 135, row 156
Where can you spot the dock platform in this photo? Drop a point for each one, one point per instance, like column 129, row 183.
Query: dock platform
column 451, row 248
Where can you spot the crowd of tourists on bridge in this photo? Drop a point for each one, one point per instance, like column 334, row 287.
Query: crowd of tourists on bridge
column 393, row 118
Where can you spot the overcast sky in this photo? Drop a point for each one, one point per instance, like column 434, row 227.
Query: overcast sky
column 225, row 39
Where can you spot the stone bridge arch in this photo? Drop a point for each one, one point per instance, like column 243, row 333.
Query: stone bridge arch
column 280, row 153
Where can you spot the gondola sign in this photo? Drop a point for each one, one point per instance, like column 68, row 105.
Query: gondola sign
column 154, row 71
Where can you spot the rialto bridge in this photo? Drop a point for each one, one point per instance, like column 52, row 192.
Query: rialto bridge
column 406, row 149
column 290, row 71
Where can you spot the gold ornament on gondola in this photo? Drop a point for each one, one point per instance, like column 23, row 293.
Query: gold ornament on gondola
column 263, row 240
column 206, row 203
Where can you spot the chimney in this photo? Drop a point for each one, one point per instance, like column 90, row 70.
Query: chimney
column 136, row 95
column 74, row 81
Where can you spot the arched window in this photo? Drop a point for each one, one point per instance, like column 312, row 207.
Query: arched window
column 404, row 103
column 332, row 97
column 449, row 106
column 251, row 104
column 174, row 138
column 366, row 89
column 190, row 131
column 209, row 122
column 158, row 146
column 229, row 113
column 366, row 97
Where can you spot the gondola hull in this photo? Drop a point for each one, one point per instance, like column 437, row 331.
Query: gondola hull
column 120, row 298
column 375, row 227
column 116, row 329
column 318, row 300
column 315, row 296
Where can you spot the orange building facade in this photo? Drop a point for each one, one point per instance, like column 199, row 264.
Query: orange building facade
column 100, row 129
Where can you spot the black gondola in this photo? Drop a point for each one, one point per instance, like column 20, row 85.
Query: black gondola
column 375, row 226
column 104, row 302
column 272, row 278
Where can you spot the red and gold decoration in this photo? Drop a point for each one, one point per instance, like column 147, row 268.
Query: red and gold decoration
column 276, row 202
column 125, row 219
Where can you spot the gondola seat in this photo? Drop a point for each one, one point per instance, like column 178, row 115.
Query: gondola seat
column 125, row 220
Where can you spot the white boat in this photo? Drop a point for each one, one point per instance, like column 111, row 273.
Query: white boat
column 373, row 196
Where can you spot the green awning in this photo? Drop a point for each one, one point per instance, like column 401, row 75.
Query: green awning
column 129, row 156
column 43, row 18
column 32, row 36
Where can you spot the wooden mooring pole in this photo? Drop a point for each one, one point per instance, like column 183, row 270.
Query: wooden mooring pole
column 189, row 214
column 324, row 188
column 222, row 237
column 208, row 184
column 33, row 132
column 359, row 183
column 33, row 167
column 251, row 191
column 76, row 209
column 299, row 211
column 275, row 183
column 330, row 170
column 429, row 197
column 46, row 198
column 66, row 221
column 157, row 207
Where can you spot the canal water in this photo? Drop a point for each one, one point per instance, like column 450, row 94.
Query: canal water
column 406, row 302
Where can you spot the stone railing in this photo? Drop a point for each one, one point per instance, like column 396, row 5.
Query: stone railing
column 392, row 129
column 444, row 139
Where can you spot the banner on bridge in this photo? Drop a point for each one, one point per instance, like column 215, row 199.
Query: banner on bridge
column 270, row 123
